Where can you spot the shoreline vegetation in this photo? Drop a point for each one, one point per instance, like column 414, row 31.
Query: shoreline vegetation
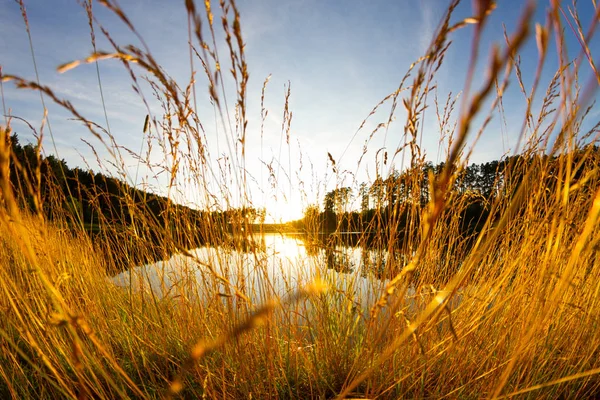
column 521, row 233
column 102, row 206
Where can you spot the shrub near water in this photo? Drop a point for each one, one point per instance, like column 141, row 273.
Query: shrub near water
column 513, row 310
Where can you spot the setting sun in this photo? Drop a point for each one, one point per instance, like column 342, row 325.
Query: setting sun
column 283, row 211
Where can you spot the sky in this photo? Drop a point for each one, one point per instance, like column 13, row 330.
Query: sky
column 340, row 59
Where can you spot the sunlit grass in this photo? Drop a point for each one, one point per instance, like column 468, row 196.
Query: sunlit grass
column 513, row 309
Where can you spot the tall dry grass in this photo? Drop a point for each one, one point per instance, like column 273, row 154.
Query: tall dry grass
column 514, row 314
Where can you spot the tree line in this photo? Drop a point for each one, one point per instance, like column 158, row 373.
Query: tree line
column 393, row 205
column 119, row 214
column 110, row 209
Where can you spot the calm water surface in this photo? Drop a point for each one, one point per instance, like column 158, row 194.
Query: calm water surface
column 278, row 266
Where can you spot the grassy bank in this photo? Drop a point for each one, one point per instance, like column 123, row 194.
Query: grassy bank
column 512, row 311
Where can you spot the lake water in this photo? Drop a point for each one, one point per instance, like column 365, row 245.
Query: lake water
column 276, row 267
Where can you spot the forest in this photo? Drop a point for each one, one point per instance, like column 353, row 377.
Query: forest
column 109, row 209
column 396, row 201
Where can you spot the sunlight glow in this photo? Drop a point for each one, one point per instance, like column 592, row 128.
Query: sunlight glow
column 283, row 211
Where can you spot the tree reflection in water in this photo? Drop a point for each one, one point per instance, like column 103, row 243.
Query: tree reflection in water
column 344, row 252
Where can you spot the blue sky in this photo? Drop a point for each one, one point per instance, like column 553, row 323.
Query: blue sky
column 341, row 58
